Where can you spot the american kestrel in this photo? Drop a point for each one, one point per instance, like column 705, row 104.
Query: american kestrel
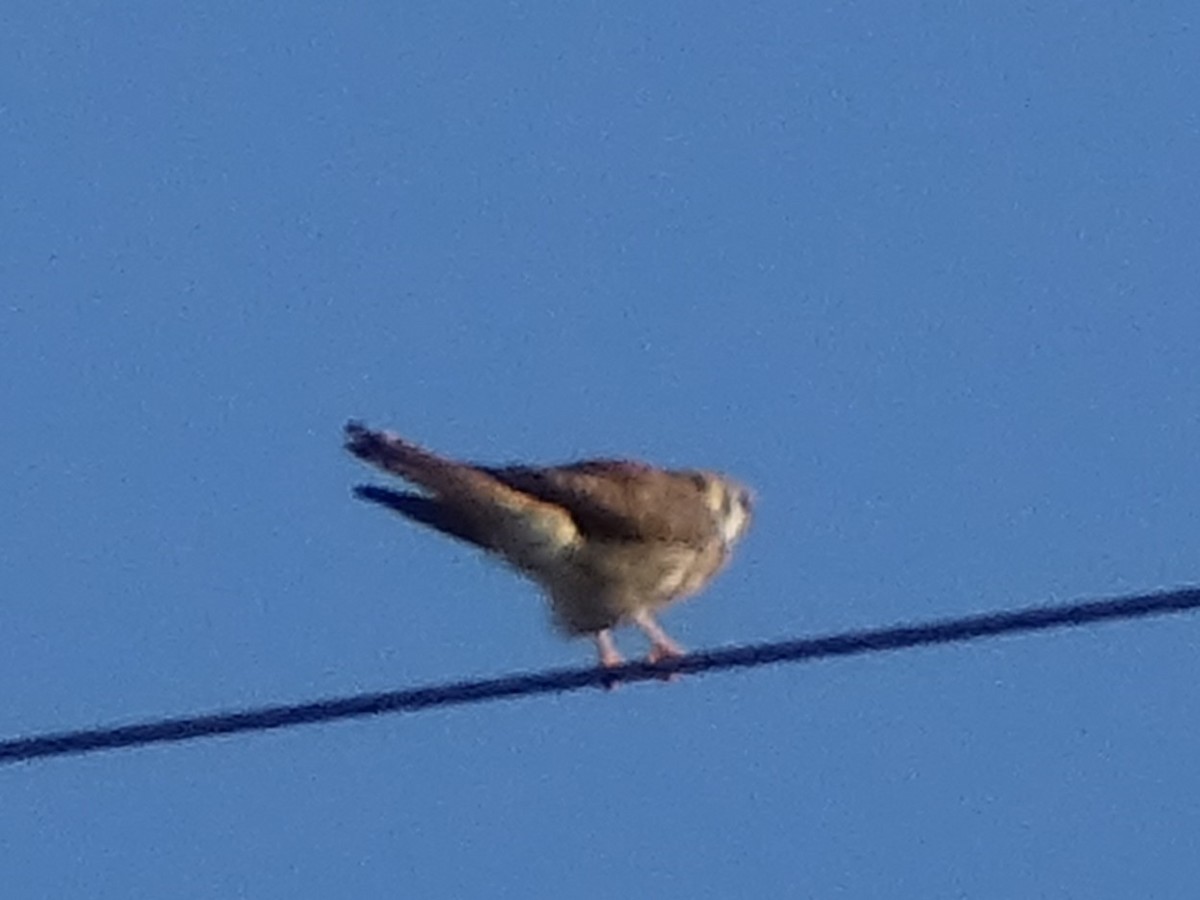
column 609, row 541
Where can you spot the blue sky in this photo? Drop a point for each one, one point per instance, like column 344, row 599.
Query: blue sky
column 926, row 276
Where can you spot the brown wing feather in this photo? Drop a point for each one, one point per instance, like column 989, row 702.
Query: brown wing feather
column 607, row 499
column 619, row 500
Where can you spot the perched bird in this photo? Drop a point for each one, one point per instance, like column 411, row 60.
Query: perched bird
column 609, row 541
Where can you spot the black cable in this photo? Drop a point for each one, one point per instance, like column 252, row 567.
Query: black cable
column 942, row 631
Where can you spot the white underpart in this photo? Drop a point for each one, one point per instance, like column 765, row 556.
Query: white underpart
column 673, row 581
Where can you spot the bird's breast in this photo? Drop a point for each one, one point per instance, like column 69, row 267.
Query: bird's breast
column 600, row 584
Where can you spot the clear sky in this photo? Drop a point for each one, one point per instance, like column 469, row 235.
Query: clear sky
column 925, row 275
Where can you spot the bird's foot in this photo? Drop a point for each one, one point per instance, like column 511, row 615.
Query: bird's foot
column 661, row 650
column 610, row 657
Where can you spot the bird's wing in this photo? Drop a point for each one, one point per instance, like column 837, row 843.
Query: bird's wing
column 604, row 499
column 620, row 500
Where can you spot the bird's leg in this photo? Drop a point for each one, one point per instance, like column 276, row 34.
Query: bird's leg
column 661, row 646
column 610, row 656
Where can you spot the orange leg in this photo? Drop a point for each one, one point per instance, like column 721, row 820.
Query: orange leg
column 661, row 645
column 610, row 656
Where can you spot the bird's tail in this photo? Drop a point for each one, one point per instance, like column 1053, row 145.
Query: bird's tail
column 391, row 453
column 425, row 510
column 464, row 500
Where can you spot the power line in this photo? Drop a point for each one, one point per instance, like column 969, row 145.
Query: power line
column 851, row 643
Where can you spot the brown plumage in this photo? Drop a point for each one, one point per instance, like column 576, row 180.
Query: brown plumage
column 608, row 540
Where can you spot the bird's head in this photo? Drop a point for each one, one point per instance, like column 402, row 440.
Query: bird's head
column 731, row 503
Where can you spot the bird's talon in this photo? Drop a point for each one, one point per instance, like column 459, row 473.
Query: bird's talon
column 661, row 652
column 607, row 663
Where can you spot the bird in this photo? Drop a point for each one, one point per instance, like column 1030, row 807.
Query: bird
column 609, row 541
